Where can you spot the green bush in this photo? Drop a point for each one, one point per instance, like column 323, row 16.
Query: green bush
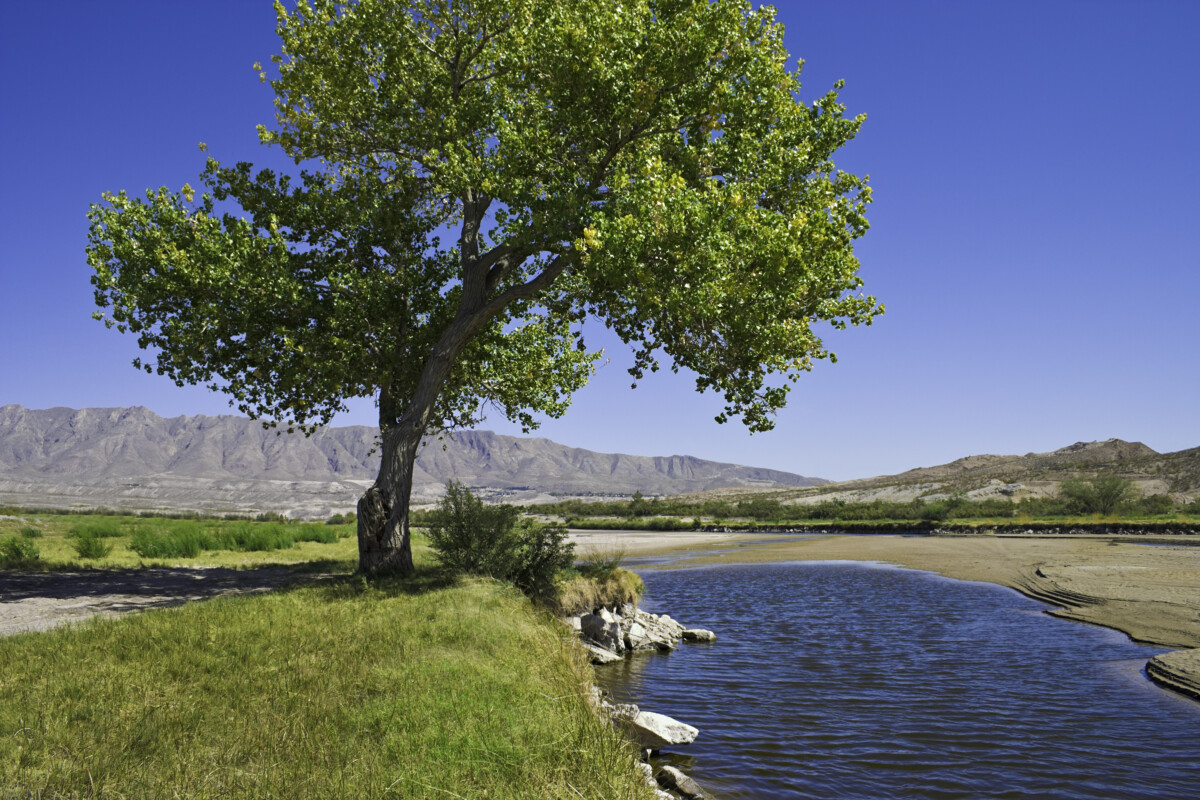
column 30, row 532
column 16, row 551
column 470, row 537
column 90, row 546
column 542, row 554
column 1156, row 505
column 1104, row 494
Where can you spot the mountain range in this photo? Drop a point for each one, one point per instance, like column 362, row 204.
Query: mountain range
column 133, row 458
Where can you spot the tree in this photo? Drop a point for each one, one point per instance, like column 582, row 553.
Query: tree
column 476, row 177
column 1103, row 494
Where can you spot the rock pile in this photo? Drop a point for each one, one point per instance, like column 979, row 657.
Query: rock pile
column 609, row 635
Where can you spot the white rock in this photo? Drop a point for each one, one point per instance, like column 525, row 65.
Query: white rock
column 657, row 731
column 599, row 655
column 699, row 635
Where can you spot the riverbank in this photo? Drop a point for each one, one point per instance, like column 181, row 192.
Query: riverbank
column 1146, row 587
column 415, row 689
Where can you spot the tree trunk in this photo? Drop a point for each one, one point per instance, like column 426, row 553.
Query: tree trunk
column 384, row 546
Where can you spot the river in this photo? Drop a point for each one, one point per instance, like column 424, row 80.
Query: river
column 854, row 680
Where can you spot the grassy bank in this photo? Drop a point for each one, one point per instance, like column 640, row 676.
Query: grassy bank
column 403, row 689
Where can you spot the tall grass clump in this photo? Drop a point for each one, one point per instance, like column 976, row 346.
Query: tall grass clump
column 339, row 690
column 17, row 552
column 177, row 541
column 91, row 547
column 599, row 581
column 30, row 532
column 476, row 539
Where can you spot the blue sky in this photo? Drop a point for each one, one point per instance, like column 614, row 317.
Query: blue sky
column 1034, row 235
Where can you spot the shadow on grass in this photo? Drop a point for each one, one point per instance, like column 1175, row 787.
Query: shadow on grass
column 426, row 578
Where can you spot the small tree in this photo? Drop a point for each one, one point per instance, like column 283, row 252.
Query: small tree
column 1104, row 494
column 476, row 178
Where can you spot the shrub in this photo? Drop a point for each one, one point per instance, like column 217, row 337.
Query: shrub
column 30, row 532
column 1101, row 495
column 542, row 554
column 16, row 551
column 90, row 546
column 470, row 537
column 1156, row 504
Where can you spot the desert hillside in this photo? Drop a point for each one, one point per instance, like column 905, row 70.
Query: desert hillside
column 133, row 458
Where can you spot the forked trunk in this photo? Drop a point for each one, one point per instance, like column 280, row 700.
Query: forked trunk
column 384, row 546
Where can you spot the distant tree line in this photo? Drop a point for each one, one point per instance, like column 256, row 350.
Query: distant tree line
column 1106, row 495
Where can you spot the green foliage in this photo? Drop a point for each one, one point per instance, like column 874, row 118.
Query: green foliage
column 470, row 537
column 175, row 543
column 17, row 552
column 1156, row 505
column 188, row 540
column 647, row 163
column 91, row 546
column 543, row 553
column 1104, row 494
column 30, row 532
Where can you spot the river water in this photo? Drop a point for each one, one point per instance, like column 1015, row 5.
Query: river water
column 852, row 680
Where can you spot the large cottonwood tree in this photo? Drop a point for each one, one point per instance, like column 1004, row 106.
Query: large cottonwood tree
column 474, row 178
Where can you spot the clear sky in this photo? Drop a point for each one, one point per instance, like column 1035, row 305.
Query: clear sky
column 1035, row 235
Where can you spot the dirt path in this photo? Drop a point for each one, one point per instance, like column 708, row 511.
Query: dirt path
column 39, row 601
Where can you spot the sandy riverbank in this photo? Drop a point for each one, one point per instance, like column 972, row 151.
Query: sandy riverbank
column 1151, row 593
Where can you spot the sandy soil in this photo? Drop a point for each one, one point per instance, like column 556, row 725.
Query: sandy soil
column 1147, row 587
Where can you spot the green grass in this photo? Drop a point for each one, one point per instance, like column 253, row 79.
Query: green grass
column 400, row 689
column 67, row 542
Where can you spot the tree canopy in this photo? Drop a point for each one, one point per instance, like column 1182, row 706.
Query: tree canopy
column 645, row 162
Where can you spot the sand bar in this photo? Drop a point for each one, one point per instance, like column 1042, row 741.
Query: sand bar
column 1147, row 587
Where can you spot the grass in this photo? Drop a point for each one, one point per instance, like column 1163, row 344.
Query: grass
column 599, row 581
column 67, row 542
column 402, row 689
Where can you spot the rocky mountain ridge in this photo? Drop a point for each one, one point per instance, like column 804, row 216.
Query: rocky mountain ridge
column 133, row 458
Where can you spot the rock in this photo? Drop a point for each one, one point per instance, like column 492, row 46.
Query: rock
column 699, row 635
column 599, row 655
column 671, row 778
column 656, row 731
column 651, row 632
column 659, row 794
column 602, row 632
column 574, row 624
column 648, row 771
